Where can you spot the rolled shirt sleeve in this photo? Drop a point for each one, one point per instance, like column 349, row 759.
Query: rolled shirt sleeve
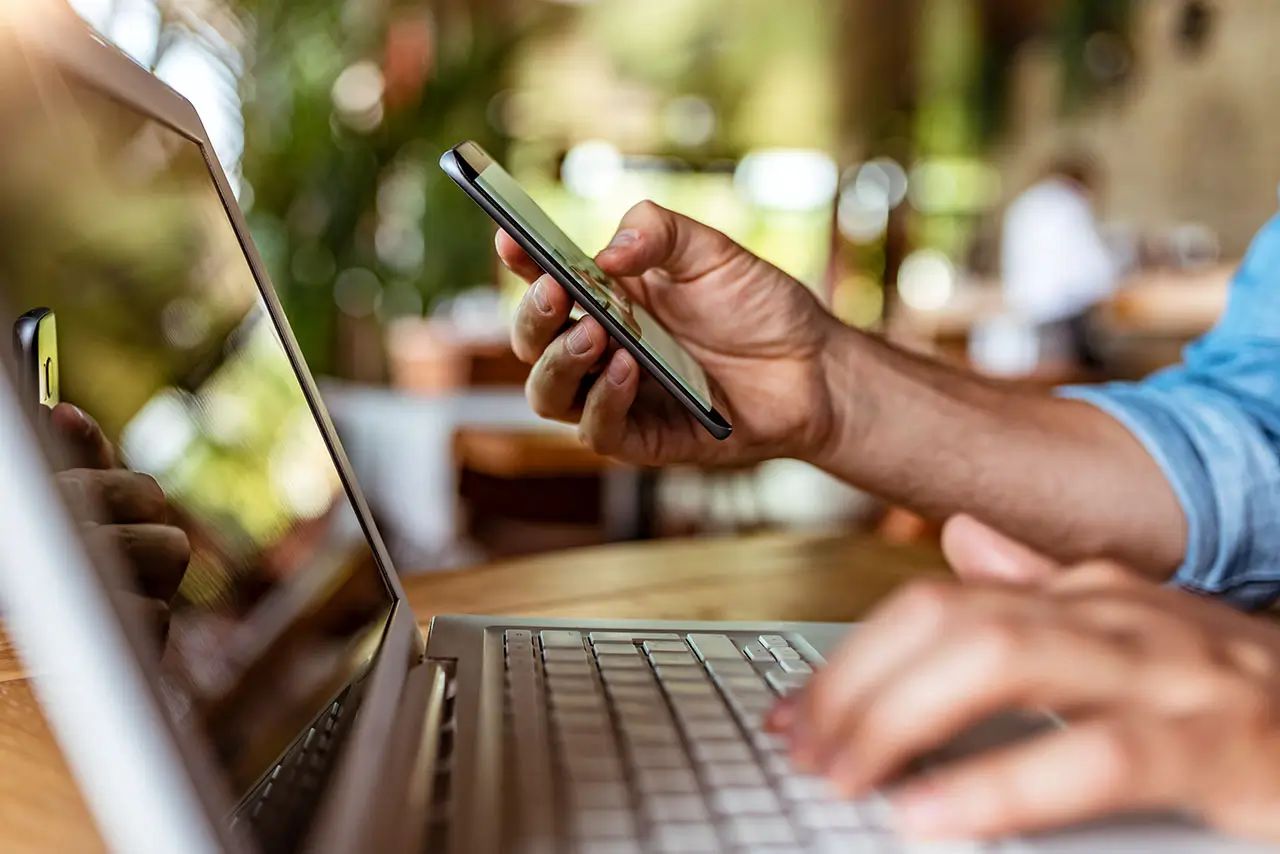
column 1212, row 424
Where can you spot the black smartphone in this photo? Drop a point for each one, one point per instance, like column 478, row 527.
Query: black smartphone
column 35, row 341
column 491, row 187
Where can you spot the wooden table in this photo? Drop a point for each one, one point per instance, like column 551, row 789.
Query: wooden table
column 769, row 577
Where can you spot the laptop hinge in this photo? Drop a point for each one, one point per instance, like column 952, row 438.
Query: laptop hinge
column 429, row 785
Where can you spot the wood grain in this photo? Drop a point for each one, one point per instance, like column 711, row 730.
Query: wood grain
column 774, row 577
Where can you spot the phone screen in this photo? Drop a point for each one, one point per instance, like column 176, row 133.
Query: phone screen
column 647, row 332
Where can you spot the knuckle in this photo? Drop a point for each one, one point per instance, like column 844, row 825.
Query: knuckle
column 997, row 640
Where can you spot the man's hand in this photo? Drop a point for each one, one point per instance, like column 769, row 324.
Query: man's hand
column 758, row 333
column 978, row 552
column 122, row 511
column 1173, row 703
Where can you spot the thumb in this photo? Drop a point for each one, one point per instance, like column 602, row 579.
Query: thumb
column 652, row 237
column 978, row 552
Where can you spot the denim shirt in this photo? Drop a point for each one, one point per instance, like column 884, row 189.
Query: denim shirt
column 1213, row 425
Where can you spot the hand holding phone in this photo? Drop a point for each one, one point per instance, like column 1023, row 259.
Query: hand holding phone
column 490, row 186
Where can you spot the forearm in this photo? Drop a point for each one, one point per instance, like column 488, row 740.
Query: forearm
column 1060, row 475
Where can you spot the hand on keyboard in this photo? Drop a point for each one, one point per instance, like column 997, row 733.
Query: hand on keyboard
column 1177, row 699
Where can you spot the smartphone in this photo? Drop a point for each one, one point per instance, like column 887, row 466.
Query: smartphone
column 491, row 187
column 35, row 340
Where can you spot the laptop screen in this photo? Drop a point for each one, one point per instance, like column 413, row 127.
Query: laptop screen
column 116, row 246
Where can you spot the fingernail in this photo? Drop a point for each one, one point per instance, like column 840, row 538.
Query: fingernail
column 540, row 298
column 619, row 369
column 579, row 340
column 624, row 238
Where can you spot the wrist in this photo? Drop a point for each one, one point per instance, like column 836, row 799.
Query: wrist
column 849, row 403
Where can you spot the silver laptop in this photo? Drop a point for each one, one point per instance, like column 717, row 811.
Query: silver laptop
column 294, row 704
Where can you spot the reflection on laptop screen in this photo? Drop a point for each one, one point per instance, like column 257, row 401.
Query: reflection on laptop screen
column 114, row 223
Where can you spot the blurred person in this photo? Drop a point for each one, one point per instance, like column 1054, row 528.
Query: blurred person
column 1054, row 264
column 1173, row 700
column 1177, row 477
column 121, row 511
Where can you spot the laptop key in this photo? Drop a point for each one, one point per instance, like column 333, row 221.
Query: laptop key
column 689, row 688
column 784, row 683
column 828, row 815
column 598, row 795
column 564, row 653
column 710, row 730
column 622, row 662
column 750, row 830
column 667, row 809
column 745, row 802
column 616, row 649
column 804, row 788
column 785, row 653
column 769, row 641
column 701, row 710
column 593, row 768
column 733, row 775
column 665, row 646
column 672, row 658
column 680, row 673
column 650, row 733
column 853, row 842
column 629, row 637
column 666, row 781
column 939, row 846
column 685, row 839
column 608, row 846
column 732, row 668
column 561, row 639
column 611, row 824
column 796, row 667
column 756, row 652
column 714, row 646
column 876, row 811
column 659, row 756
column 721, row 751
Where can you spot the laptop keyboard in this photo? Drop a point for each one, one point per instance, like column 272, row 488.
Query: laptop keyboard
column 280, row 806
column 653, row 743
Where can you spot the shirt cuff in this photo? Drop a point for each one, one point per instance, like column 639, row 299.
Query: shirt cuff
column 1224, row 471
column 1179, row 460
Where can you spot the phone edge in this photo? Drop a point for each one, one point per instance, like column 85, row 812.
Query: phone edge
column 452, row 163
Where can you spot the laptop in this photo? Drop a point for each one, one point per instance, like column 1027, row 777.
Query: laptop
column 294, row 704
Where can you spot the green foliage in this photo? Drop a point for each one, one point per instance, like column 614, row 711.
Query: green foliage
column 315, row 181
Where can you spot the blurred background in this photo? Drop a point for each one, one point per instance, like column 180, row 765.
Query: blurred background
column 904, row 159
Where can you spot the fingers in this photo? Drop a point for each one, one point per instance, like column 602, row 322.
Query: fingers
column 84, row 440
column 995, row 666
column 116, row 496
column 603, row 427
column 515, row 258
column 1073, row 775
column 651, row 237
column 893, row 636
column 540, row 319
column 556, row 381
column 978, row 552
column 152, row 614
column 157, row 554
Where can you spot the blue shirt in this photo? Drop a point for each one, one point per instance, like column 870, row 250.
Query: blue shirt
column 1213, row 425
